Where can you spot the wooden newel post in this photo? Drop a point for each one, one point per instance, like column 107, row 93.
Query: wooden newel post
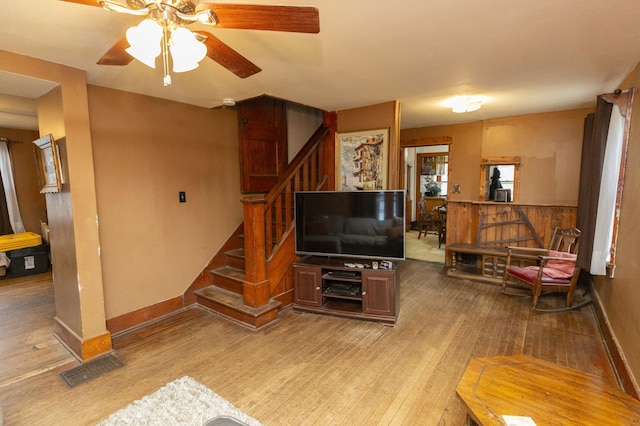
column 256, row 286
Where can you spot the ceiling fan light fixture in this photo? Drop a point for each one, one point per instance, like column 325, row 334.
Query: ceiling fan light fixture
column 115, row 7
column 144, row 41
column 207, row 17
column 186, row 50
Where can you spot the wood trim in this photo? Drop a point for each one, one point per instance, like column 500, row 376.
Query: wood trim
column 515, row 161
column 500, row 160
column 482, row 203
column 144, row 315
column 434, row 140
column 394, row 177
column 330, row 119
column 620, row 367
column 625, row 103
column 82, row 349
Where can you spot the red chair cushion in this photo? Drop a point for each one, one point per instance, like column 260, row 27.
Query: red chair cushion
column 561, row 268
column 530, row 275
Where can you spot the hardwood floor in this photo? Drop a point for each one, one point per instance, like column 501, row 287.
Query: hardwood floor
column 305, row 369
column 26, row 329
column 424, row 248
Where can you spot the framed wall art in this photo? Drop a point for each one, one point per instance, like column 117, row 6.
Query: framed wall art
column 48, row 160
column 362, row 159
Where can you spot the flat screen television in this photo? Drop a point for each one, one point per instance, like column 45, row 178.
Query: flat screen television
column 361, row 224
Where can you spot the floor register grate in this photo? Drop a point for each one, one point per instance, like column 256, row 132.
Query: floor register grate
column 90, row 370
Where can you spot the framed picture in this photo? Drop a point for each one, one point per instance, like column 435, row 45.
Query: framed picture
column 362, row 159
column 48, row 160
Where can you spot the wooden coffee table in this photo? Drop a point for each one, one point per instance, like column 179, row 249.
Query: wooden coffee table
column 548, row 393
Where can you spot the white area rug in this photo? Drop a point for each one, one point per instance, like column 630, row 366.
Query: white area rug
column 181, row 402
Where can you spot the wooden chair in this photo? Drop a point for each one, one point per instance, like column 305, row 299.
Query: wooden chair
column 555, row 269
column 442, row 227
column 427, row 221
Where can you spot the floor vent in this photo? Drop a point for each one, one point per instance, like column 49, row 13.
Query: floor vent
column 90, row 370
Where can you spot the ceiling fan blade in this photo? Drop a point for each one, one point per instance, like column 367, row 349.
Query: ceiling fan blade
column 270, row 18
column 227, row 57
column 117, row 54
column 85, row 2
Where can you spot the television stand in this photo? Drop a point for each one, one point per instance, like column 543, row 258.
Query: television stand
column 327, row 286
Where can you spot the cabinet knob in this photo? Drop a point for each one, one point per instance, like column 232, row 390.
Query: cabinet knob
column 317, row 288
column 364, row 292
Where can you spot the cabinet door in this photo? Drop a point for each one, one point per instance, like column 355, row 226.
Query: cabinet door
column 378, row 296
column 307, row 286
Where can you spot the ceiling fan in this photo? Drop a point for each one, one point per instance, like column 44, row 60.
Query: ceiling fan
column 171, row 17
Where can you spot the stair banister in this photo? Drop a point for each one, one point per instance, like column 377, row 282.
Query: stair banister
column 268, row 219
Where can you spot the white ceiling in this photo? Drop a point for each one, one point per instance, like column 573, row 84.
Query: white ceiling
column 526, row 56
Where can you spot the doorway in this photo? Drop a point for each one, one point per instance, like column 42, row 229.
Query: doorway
column 427, row 185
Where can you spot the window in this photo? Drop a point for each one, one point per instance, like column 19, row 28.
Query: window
column 601, row 181
column 501, row 173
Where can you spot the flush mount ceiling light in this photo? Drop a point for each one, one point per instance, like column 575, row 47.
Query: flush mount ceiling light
column 460, row 104
column 163, row 31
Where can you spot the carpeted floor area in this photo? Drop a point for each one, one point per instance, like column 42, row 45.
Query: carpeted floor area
column 181, row 402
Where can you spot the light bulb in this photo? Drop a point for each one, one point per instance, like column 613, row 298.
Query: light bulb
column 144, row 41
column 186, row 50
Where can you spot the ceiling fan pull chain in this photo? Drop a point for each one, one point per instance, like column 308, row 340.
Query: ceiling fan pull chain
column 165, row 54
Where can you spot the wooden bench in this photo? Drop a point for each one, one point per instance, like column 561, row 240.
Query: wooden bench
column 485, row 259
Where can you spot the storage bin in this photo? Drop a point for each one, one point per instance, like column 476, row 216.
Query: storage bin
column 28, row 261
column 19, row 241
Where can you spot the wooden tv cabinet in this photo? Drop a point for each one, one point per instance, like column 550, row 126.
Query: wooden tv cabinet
column 327, row 286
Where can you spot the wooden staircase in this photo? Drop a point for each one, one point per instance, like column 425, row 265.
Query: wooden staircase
column 250, row 280
column 225, row 296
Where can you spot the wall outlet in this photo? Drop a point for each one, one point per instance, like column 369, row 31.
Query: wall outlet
column 182, row 197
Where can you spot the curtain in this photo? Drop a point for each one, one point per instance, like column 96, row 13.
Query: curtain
column 5, row 223
column 596, row 129
column 603, row 236
column 9, row 189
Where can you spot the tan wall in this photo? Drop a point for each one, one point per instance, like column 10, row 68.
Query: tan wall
column 77, row 267
column 32, row 203
column 373, row 117
column 61, row 221
column 464, row 155
column 550, row 147
column 620, row 297
column 548, row 144
column 146, row 150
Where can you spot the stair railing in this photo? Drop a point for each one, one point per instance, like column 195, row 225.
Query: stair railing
column 268, row 219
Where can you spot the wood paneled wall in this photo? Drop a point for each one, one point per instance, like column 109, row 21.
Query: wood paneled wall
column 463, row 220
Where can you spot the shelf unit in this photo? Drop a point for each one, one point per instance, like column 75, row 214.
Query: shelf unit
column 327, row 286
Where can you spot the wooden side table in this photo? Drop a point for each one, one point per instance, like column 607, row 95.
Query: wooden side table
column 548, row 393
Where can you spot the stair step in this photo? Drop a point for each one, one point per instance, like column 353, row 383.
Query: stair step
column 229, row 278
column 235, row 258
column 231, row 306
